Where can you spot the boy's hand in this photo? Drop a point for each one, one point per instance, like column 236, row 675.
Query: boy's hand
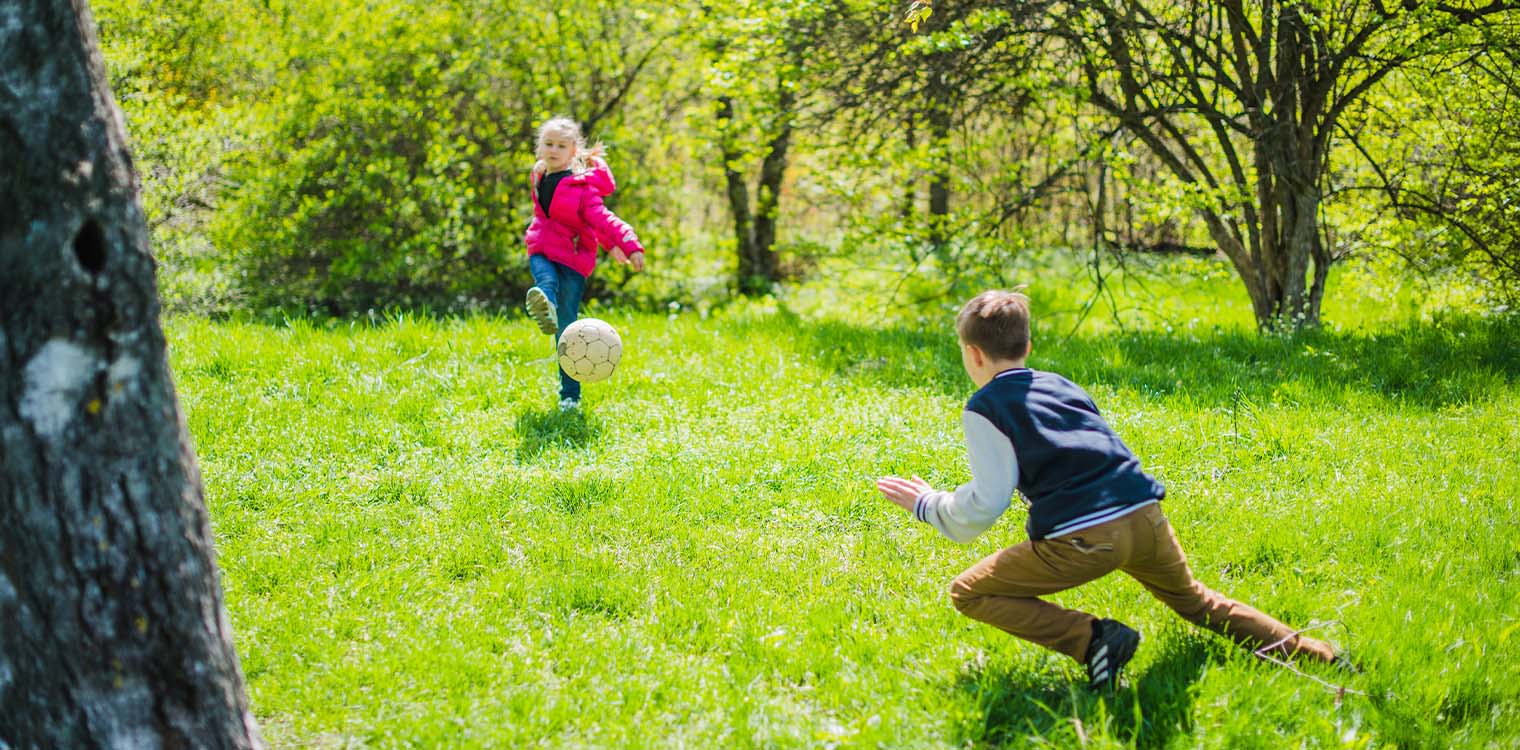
column 904, row 492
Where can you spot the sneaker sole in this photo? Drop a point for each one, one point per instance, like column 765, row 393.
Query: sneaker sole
column 541, row 312
column 1118, row 653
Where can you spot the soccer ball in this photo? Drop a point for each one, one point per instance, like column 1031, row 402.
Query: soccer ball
column 589, row 350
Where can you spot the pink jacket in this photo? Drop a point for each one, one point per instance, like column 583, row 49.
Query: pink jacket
column 577, row 222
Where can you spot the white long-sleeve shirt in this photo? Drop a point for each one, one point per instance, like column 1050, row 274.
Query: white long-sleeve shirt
column 973, row 507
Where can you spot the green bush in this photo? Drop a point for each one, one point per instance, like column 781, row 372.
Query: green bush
column 335, row 157
column 383, row 172
column 180, row 69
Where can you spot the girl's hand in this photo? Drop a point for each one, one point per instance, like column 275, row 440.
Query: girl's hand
column 903, row 492
column 637, row 262
column 617, row 255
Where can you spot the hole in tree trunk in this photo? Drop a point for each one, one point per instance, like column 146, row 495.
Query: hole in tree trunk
column 90, row 247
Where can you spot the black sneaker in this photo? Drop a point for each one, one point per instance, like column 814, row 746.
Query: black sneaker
column 1113, row 643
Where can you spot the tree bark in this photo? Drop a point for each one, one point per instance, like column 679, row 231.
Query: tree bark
column 738, row 189
column 908, row 207
column 758, row 269
column 114, row 629
column 755, row 232
column 939, row 182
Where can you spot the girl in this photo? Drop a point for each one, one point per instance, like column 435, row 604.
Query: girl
column 569, row 222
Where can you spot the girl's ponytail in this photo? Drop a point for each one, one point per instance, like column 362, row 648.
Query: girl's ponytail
column 583, row 161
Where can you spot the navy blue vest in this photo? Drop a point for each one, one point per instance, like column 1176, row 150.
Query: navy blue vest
column 1071, row 464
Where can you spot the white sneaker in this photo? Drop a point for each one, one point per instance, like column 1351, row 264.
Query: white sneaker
column 569, row 404
column 542, row 312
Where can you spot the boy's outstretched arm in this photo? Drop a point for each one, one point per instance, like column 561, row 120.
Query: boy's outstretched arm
column 972, row 508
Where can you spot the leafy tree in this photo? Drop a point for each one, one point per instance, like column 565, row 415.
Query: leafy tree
column 1444, row 150
column 383, row 171
column 1243, row 101
column 340, row 156
column 758, row 54
column 181, row 68
column 596, row 55
column 932, row 101
column 964, row 128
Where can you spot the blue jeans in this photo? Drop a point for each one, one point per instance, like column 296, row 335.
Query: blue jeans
column 563, row 286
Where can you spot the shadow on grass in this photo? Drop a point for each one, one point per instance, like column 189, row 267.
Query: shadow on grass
column 1449, row 362
column 546, row 430
column 1147, row 713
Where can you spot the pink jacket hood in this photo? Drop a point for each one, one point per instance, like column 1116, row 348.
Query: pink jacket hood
column 577, row 222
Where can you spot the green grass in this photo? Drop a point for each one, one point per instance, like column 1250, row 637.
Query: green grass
column 419, row 550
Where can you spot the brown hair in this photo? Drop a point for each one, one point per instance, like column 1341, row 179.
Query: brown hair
column 997, row 322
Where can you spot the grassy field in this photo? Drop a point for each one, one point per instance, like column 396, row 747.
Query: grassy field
column 419, row 550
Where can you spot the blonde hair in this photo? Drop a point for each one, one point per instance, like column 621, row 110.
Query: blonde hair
column 571, row 129
column 997, row 322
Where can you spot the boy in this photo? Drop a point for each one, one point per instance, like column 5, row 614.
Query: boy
column 1092, row 510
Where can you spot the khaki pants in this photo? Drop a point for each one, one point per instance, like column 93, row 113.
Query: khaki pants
column 1002, row 589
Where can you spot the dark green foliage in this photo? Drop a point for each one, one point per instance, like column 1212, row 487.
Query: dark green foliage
column 336, row 157
column 384, row 173
column 1455, row 172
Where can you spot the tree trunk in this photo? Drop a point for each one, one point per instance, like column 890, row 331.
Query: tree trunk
column 755, row 233
column 908, row 208
column 115, row 633
column 757, row 270
column 1285, row 293
column 738, row 191
column 1289, row 169
column 939, row 180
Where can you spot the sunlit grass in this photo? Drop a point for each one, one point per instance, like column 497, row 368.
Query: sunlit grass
column 420, row 550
